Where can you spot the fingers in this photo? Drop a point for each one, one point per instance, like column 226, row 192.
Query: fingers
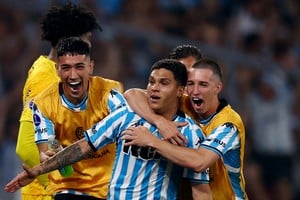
column 173, row 141
column 13, row 185
column 182, row 140
column 179, row 139
column 181, row 124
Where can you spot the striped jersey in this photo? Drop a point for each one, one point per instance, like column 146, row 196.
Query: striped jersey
column 53, row 114
column 140, row 172
column 225, row 135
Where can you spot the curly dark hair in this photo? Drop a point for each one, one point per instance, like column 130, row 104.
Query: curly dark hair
column 66, row 21
column 184, row 51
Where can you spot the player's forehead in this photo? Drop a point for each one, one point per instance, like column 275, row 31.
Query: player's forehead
column 188, row 61
column 161, row 74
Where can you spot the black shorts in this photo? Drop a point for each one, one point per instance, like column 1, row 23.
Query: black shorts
column 74, row 197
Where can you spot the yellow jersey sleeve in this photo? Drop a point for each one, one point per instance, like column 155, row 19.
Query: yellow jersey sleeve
column 40, row 76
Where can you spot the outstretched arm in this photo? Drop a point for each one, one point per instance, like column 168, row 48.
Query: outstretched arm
column 196, row 159
column 137, row 99
column 68, row 155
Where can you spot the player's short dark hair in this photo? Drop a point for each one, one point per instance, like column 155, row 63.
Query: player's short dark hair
column 67, row 21
column 206, row 63
column 184, row 51
column 72, row 45
column 177, row 68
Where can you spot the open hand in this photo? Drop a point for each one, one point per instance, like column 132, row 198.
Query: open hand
column 169, row 130
column 139, row 136
column 21, row 180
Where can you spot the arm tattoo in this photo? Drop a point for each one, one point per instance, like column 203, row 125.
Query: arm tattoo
column 69, row 155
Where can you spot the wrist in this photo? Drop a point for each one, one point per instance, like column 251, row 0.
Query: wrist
column 158, row 121
column 154, row 143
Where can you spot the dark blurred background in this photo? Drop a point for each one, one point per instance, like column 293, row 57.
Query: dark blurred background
column 257, row 42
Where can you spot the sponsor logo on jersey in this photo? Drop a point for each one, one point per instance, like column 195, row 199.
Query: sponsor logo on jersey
column 36, row 120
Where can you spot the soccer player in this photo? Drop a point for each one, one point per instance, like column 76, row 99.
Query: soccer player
column 186, row 54
column 68, row 107
column 222, row 150
column 58, row 22
column 138, row 173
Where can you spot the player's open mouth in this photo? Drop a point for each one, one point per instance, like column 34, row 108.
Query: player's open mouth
column 197, row 101
column 154, row 98
column 75, row 86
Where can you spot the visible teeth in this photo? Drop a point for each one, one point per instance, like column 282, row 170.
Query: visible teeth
column 74, row 83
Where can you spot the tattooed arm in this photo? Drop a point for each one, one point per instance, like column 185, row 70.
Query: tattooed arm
column 69, row 155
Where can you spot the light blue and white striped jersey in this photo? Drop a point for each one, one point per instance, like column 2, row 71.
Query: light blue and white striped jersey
column 140, row 172
column 225, row 141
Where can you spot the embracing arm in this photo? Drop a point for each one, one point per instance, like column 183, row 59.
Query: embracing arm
column 196, row 159
column 69, row 155
column 201, row 192
column 137, row 99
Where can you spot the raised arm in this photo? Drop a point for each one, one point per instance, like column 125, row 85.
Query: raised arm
column 137, row 100
column 68, row 155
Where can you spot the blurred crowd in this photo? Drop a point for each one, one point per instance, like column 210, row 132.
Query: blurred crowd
column 257, row 42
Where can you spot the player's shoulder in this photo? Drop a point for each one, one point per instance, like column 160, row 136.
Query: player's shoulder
column 105, row 83
column 184, row 117
column 48, row 92
column 103, row 80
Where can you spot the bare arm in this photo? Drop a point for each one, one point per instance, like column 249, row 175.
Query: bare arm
column 45, row 154
column 68, row 155
column 137, row 99
column 201, row 192
column 196, row 159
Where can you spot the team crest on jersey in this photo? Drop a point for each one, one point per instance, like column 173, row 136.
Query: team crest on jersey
column 79, row 132
column 36, row 120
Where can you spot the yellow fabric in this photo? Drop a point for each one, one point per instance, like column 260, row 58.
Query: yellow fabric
column 28, row 152
column 219, row 178
column 91, row 175
column 35, row 191
column 41, row 74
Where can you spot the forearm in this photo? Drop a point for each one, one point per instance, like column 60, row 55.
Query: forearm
column 197, row 159
column 67, row 156
column 137, row 100
column 201, row 192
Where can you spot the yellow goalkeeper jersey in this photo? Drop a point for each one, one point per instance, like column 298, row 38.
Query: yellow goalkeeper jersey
column 224, row 183
column 58, row 116
column 41, row 74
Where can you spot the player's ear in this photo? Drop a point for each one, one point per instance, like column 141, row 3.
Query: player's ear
column 219, row 87
column 180, row 91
